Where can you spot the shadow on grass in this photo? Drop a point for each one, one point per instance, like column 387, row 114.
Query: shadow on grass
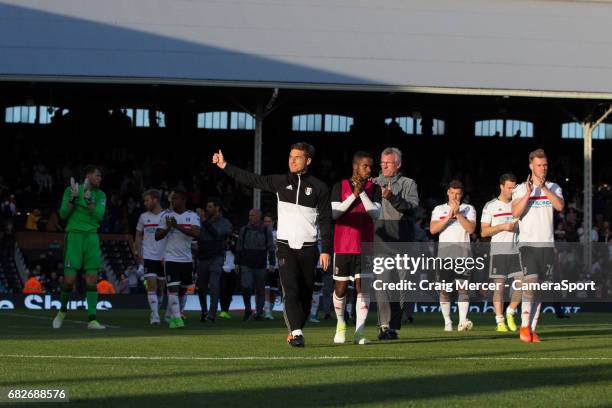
column 210, row 369
column 399, row 390
column 204, row 373
column 567, row 334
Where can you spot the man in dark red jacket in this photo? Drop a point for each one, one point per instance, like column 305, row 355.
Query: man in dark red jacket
column 355, row 206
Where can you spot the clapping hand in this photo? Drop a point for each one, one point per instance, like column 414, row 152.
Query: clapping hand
column 508, row 226
column 74, row 188
column 538, row 181
column 454, row 209
column 357, row 186
column 386, row 191
column 87, row 192
column 529, row 185
column 171, row 222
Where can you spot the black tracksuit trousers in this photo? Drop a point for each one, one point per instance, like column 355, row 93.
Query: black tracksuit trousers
column 297, row 269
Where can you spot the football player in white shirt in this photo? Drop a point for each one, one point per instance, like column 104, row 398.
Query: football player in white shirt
column 150, row 252
column 498, row 223
column 454, row 222
column 534, row 203
column 179, row 226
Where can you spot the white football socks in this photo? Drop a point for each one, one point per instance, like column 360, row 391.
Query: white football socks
column 535, row 316
column 525, row 313
column 445, row 308
column 362, row 304
column 339, row 305
column 463, row 311
column 173, row 305
column 153, row 302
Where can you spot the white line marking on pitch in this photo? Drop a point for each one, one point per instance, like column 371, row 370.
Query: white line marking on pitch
column 66, row 320
column 264, row 358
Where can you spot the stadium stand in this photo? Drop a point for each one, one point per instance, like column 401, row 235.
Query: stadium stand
column 118, row 256
column 134, row 160
column 43, row 256
column 9, row 277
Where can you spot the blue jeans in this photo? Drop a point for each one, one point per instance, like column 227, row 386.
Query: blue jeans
column 254, row 279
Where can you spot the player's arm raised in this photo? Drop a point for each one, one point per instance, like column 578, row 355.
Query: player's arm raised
column 244, row 177
column 519, row 205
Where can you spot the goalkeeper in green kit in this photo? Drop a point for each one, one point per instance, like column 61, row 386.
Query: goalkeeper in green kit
column 83, row 208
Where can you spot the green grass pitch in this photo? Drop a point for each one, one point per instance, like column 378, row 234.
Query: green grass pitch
column 235, row 363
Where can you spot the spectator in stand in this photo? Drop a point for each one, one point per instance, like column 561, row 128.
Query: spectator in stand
column 43, row 179
column 114, row 213
column 66, row 174
column 39, row 273
column 59, row 268
column 53, row 225
column 584, row 235
column 9, row 206
column 133, row 277
column 3, row 187
column 46, row 263
column 104, row 286
column 60, row 279
column 53, row 284
column 33, row 285
column 105, row 224
column 124, row 285
column 606, row 233
column 32, row 220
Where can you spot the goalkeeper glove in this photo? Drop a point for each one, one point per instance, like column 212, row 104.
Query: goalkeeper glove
column 74, row 190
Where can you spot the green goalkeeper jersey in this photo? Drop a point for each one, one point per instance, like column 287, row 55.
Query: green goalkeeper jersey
column 80, row 218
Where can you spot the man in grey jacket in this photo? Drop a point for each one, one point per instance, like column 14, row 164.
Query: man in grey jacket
column 395, row 224
column 254, row 250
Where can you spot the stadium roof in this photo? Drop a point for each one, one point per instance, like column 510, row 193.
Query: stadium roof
column 490, row 47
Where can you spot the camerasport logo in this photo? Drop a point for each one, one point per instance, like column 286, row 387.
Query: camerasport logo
column 46, row 302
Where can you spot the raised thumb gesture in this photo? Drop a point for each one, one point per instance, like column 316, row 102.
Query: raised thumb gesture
column 219, row 160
